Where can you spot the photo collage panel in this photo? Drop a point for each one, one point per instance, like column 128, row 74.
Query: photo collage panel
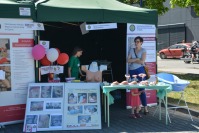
column 45, row 106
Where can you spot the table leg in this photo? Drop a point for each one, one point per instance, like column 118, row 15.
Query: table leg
column 105, row 107
column 166, row 107
column 108, row 109
column 160, row 111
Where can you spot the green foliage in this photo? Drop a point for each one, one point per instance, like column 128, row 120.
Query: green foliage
column 156, row 4
column 150, row 4
column 159, row 4
column 186, row 3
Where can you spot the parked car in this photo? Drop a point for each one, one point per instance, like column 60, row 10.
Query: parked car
column 175, row 51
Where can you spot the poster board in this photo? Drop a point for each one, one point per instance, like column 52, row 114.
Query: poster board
column 62, row 106
column 148, row 33
column 86, row 97
column 16, row 61
column 45, row 107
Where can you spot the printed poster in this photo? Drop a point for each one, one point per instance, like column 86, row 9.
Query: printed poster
column 148, row 33
column 83, row 109
column 17, row 63
column 44, row 108
column 62, row 106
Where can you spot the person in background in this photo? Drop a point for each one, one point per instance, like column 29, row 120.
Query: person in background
column 194, row 50
column 136, row 59
column 74, row 63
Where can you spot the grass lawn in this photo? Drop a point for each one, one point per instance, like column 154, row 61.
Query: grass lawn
column 191, row 92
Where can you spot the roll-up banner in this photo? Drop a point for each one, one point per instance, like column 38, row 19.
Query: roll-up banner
column 148, row 33
column 16, row 68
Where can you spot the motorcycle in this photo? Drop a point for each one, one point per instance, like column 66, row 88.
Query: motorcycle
column 188, row 55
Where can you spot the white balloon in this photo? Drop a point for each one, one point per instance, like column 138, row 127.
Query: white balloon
column 52, row 54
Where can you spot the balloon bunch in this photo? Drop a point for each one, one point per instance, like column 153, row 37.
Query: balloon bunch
column 52, row 55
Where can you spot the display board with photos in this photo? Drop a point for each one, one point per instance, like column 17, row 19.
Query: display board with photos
column 82, row 108
column 62, row 106
column 44, row 108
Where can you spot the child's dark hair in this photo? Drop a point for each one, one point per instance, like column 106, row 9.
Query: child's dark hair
column 138, row 37
column 76, row 49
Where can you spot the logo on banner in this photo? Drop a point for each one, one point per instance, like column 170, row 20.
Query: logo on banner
column 43, row 43
column 39, row 25
column 132, row 27
column 89, row 27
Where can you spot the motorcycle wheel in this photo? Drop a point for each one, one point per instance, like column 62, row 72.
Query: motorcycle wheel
column 187, row 56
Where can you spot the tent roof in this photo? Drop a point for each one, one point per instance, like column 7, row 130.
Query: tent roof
column 10, row 9
column 93, row 11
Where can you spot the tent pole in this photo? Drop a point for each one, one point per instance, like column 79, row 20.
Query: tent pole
column 37, row 74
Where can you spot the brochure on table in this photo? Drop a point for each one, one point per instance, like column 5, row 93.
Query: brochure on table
column 62, row 106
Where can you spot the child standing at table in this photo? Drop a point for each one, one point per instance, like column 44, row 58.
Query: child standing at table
column 135, row 103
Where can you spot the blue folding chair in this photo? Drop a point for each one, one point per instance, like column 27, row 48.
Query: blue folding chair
column 178, row 85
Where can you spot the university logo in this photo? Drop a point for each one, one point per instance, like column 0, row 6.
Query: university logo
column 132, row 27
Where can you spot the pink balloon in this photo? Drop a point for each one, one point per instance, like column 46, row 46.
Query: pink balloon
column 38, row 52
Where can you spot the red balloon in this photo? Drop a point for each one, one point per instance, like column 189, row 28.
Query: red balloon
column 62, row 59
column 45, row 62
column 58, row 50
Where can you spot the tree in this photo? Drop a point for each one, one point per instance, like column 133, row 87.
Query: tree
column 186, row 3
column 159, row 4
column 150, row 4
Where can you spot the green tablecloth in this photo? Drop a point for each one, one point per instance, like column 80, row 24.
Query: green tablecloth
column 162, row 90
column 160, row 87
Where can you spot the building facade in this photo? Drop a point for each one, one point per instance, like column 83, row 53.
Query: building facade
column 176, row 25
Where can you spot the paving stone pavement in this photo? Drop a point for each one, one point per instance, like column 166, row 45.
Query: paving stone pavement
column 121, row 123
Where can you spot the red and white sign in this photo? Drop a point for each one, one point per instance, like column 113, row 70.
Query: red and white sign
column 18, row 64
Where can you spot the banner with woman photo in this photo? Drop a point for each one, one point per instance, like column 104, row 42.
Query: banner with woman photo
column 148, row 33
